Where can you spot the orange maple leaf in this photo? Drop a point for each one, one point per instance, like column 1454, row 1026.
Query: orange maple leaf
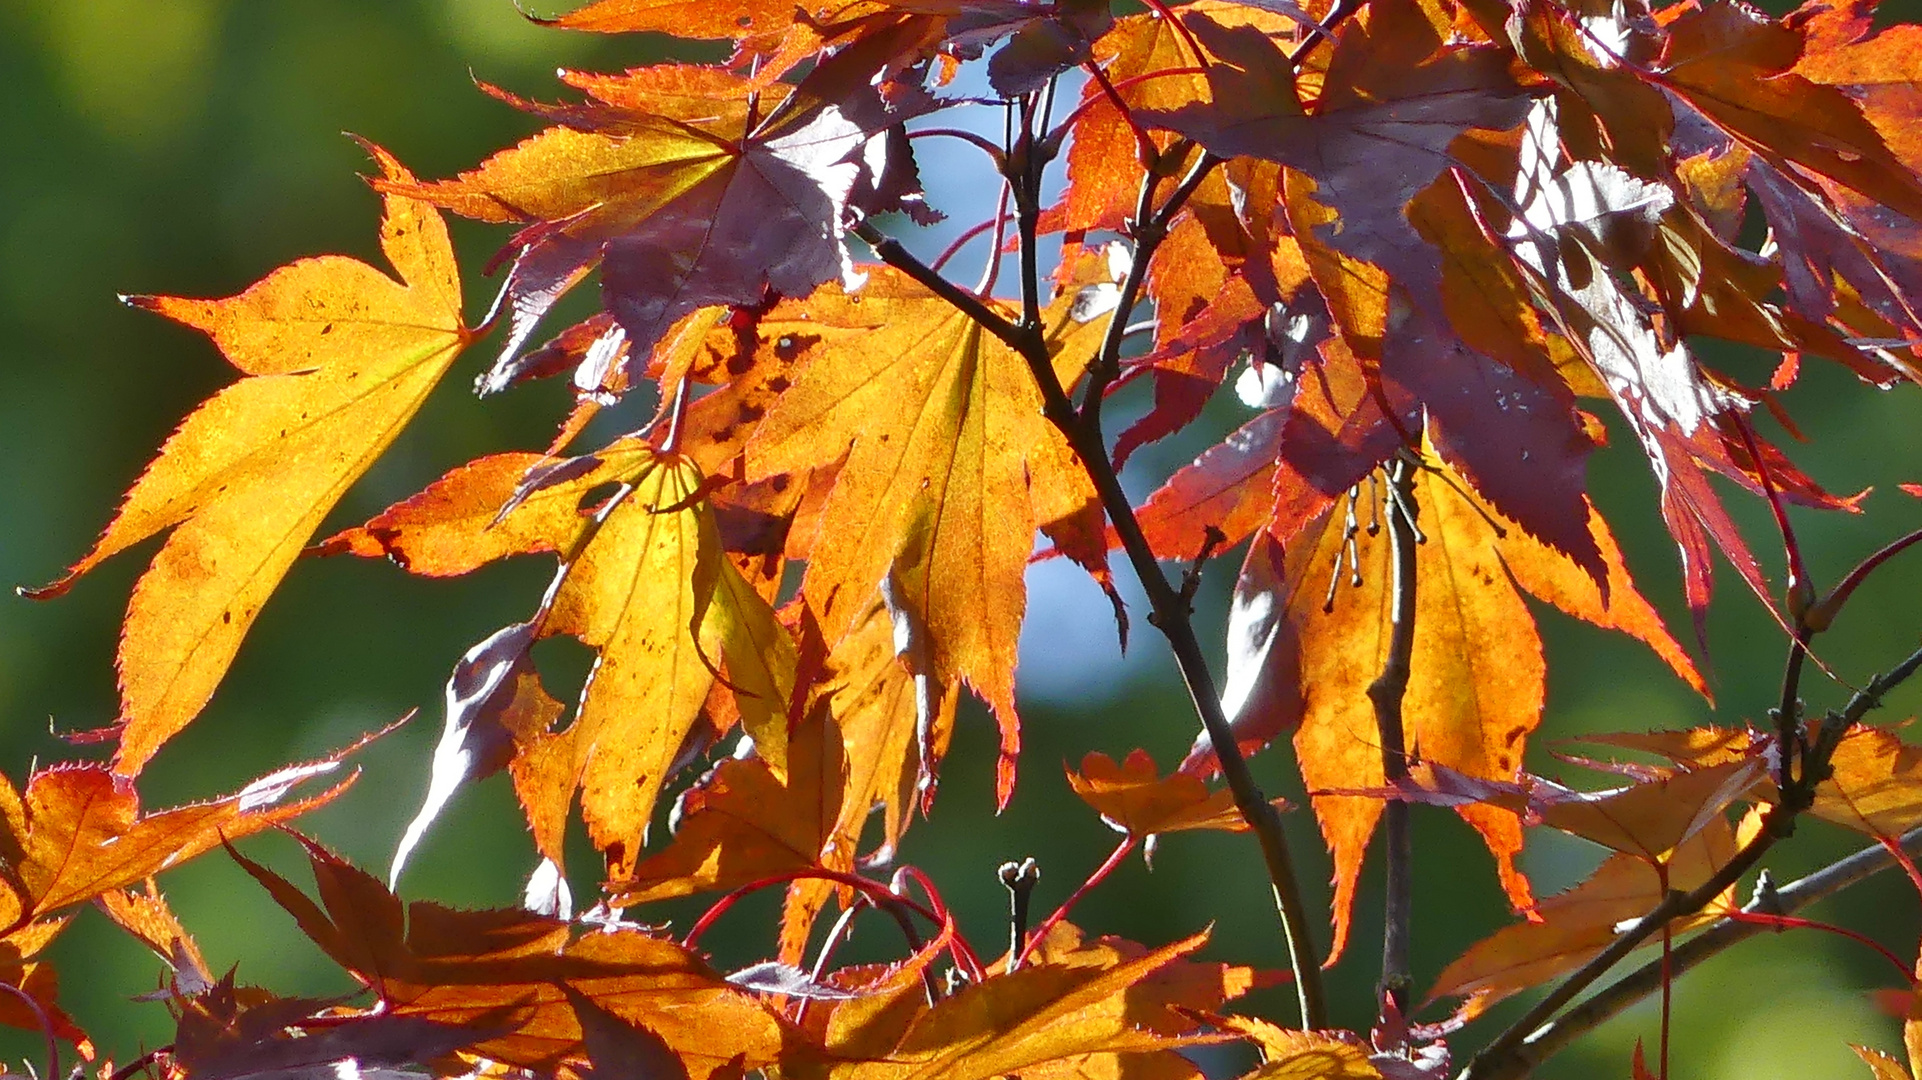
column 742, row 823
column 77, row 834
column 645, row 581
column 1074, row 1000
column 1578, row 924
column 653, row 592
column 1311, row 631
column 949, row 468
column 1302, row 1055
column 433, row 963
column 1133, row 797
column 339, row 356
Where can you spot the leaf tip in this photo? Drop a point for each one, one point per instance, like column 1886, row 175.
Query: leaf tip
column 48, row 591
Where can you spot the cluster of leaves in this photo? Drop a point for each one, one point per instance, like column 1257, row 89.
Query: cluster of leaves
column 1419, row 239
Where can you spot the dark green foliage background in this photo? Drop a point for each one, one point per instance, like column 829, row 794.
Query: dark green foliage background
column 190, row 146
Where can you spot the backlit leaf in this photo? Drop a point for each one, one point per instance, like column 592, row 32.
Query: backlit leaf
column 947, row 456
column 432, row 963
column 339, row 356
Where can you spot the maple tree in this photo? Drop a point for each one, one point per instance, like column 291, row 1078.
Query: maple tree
column 1433, row 248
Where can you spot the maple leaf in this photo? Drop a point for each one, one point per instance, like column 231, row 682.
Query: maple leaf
column 1396, row 97
column 741, row 823
column 616, row 1047
column 226, row 1032
column 480, row 968
column 1654, row 817
column 674, row 182
column 487, row 509
column 495, row 703
column 1303, row 1055
column 339, row 356
column 1882, row 1065
column 39, row 984
column 1150, row 62
column 1071, row 1001
column 1577, row 924
column 1133, row 797
column 653, row 592
column 77, row 831
column 716, row 20
column 948, row 468
column 896, row 722
column 152, row 922
column 1310, row 629
column 1734, row 65
column 895, row 727
column 645, row 582
column 1874, row 784
column 77, row 834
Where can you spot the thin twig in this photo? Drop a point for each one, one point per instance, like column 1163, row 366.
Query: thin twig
column 1788, row 719
column 1324, row 30
column 1387, row 693
column 1499, row 1060
column 1555, row 1036
column 1788, row 714
column 144, row 1061
column 45, row 1023
column 1150, row 228
column 1019, row 879
column 1825, row 611
column 1100, row 874
column 1026, row 160
column 890, row 251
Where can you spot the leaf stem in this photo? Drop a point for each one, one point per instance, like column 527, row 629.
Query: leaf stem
column 1831, row 605
column 45, row 1024
column 878, row 894
column 1387, row 693
column 1100, row 874
column 1500, row 1059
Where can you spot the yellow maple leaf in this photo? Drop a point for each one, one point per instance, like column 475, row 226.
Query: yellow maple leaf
column 339, row 356
column 652, row 591
column 947, row 460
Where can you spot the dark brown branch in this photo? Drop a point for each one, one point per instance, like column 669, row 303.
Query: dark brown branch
column 1169, row 612
column 1555, row 1036
column 1500, row 1061
column 890, row 251
column 1150, row 228
column 1172, row 615
column 1023, row 170
column 1387, row 692
column 1788, row 714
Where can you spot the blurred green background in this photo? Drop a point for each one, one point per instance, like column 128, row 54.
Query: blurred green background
column 190, row 146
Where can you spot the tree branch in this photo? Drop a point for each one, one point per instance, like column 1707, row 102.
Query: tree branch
column 1387, row 693
column 1170, row 612
column 1499, row 1060
column 1553, row 1037
column 890, row 251
column 1150, row 228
